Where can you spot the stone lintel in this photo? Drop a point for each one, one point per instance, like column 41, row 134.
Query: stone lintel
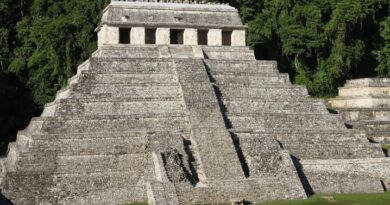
column 176, row 26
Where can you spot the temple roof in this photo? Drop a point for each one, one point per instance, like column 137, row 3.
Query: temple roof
column 185, row 14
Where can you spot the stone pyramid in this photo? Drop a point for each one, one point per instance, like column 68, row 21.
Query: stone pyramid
column 365, row 104
column 174, row 109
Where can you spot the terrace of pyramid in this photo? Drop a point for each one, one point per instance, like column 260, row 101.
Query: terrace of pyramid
column 173, row 108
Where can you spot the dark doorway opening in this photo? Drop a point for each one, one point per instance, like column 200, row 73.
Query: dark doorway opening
column 202, row 37
column 124, row 35
column 226, row 38
column 150, row 36
column 177, row 36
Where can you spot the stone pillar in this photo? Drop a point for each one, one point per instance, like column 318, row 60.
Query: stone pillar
column 137, row 35
column 238, row 38
column 163, row 36
column 191, row 36
column 215, row 37
column 108, row 35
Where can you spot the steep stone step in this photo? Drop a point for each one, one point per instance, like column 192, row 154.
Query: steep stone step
column 286, row 121
column 253, row 190
column 162, row 193
column 36, row 183
column 149, row 134
column 87, row 78
column 135, row 66
column 69, row 107
column 368, row 82
column 334, row 150
column 356, row 114
column 92, row 146
column 360, row 101
column 125, row 51
column 119, row 91
column 224, row 67
column 109, row 196
column 382, row 137
column 229, row 92
column 374, row 125
column 106, row 143
column 308, row 136
column 304, row 106
column 347, row 175
column 101, row 163
column 80, row 69
column 357, row 91
column 96, row 124
column 83, row 187
column 224, row 52
column 63, row 164
column 254, row 80
column 318, row 144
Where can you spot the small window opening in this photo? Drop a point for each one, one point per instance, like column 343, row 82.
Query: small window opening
column 202, row 37
column 124, row 35
column 150, row 36
column 227, row 38
column 177, row 36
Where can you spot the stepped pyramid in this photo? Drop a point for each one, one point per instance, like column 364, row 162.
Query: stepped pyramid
column 173, row 109
column 365, row 104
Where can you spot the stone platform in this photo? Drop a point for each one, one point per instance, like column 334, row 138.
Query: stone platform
column 365, row 105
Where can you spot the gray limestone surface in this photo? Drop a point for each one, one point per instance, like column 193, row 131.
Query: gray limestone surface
column 180, row 124
column 365, row 105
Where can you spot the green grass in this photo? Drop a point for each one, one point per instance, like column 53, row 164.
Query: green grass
column 339, row 199
column 336, row 199
column 386, row 146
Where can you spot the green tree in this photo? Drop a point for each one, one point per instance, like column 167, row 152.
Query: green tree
column 54, row 38
column 41, row 44
column 383, row 55
column 320, row 43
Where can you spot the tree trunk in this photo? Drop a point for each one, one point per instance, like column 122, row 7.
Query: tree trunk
column 22, row 8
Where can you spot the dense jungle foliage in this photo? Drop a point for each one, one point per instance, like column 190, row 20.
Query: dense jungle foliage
column 320, row 43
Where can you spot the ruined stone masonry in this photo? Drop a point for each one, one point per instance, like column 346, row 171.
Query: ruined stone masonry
column 173, row 109
column 365, row 104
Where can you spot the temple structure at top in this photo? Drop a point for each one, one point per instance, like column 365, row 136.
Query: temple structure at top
column 164, row 23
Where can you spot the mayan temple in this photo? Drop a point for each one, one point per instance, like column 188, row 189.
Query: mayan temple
column 173, row 108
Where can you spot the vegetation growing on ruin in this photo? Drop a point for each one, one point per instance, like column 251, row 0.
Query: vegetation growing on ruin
column 340, row 199
column 320, row 43
column 387, row 147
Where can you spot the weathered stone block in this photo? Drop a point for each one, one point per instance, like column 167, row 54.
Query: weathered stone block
column 162, row 36
column 238, row 38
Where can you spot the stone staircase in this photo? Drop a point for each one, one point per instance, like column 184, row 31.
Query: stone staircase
column 260, row 103
column 365, row 105
column 94, row 142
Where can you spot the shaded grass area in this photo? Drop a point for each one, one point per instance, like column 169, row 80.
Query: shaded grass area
column 339, row 199
column 387, row 147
